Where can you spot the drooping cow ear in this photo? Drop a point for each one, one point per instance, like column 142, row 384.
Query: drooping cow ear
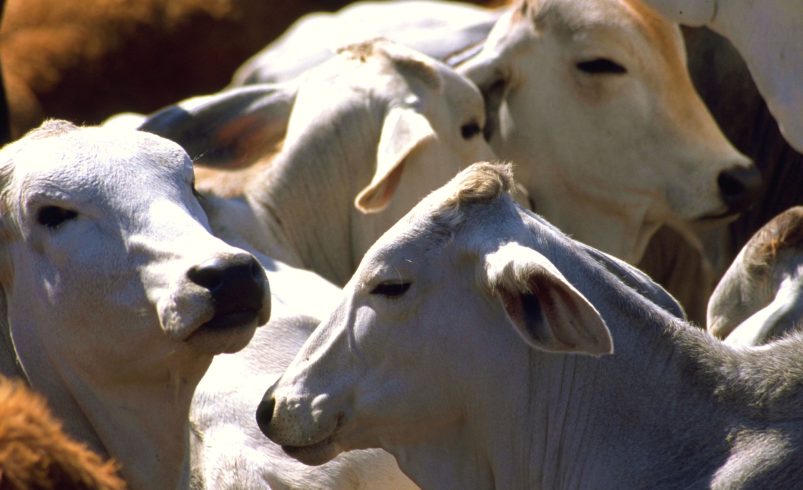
column 229, row 129
column 544, row 308
column 404, row 131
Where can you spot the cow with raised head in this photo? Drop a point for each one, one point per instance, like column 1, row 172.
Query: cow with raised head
column 115, row 294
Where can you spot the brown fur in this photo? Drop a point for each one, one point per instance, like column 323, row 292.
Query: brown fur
column 85, row 61
column 783, row 232
column 36, row 453
column 96, row 58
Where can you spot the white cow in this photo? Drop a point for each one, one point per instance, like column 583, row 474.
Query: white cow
column 769, row 36
column 593, row 101
column 475, row 342
column 116, row 296
column 760, row 297
column 437, row 28
column 370, row 133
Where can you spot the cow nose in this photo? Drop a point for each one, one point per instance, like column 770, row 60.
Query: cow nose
column 265, row 411
column 740, row 187
column 235, row 282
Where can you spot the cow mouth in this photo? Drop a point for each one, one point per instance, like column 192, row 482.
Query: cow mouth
column 230, row 320
column 225, row 332
column 720, row 217
column 314, row 454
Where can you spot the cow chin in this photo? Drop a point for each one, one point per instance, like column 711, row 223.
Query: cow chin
column 716, row 219
column 314, row 454
column 224, row 335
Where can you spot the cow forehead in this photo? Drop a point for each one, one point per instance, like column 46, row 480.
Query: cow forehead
column 79, row 161
column 611, row 20
column 478, row 195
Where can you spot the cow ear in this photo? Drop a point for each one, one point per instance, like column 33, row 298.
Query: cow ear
column 403, row 132
column 230, row 129
column 543, row 307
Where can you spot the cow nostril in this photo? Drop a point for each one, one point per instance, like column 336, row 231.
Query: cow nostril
column 740, row 187
column 265, row 413
column 208, row 274
column 235, row 282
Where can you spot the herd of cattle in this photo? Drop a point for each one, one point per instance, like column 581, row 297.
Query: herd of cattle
column 325, row 277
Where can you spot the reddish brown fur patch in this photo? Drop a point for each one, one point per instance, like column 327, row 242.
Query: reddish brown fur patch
column 659, row 31
column 35, row 452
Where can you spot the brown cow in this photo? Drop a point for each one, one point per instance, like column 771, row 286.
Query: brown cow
column 36, row 453
column 86, row 60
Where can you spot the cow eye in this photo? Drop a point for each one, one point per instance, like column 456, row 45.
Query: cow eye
column 470, row 130
column 601, row 66
column 54, row 216
column 391, row 289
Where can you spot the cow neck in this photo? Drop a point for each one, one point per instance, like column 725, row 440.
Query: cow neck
column 144, row 426
column 310, row 189
column 659, row 412
column 622, row 228
column 663, row 409
column 150, row 436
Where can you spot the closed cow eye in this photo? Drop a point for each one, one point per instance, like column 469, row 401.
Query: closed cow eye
column 470, row 129
column 601, row 66
column 54, row 216
column 391, row 289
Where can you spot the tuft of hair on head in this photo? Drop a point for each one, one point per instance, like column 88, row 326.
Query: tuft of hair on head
column 36, row 453
column 408, row 62
column 481, row 182
column 51, row 127
column 360, row 50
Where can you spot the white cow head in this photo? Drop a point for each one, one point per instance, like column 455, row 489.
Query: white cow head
column 371, row 131
column 458, row 279
column 111, row 277
column 593, row 102
column 760, row 296
column 429, row 121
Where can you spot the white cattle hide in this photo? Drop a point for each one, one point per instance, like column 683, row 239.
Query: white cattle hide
column 116, row 296
column 760, row 296
column 485, row 349
column 439, row 29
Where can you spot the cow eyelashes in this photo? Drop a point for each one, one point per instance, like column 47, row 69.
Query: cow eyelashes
column 53, row 216
column 391, row 289
column 470, row 129
column 601, row 66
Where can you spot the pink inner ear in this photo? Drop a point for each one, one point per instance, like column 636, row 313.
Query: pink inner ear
column 513, row 307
